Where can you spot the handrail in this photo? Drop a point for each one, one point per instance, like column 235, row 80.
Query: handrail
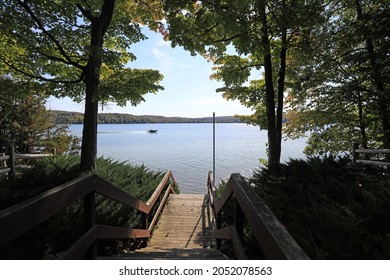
column 23, row 216
column 356, row 151
column 101, row 232
column 25, row 156
column 13, row 157
column 271, row 235
column 157, row 192
column 160, row 207
column 4, row 158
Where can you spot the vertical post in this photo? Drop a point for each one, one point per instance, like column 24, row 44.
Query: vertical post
column 90, row 221
column 355, row 155
column 213, row 149
column 145, row 225
column 219, row 226
column 3, row 164
column 12, row 160
column 238, row 220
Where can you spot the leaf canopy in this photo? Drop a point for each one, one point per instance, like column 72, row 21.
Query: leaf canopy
column 49, row 41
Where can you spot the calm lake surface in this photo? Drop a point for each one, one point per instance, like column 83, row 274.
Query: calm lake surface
column 187, row 149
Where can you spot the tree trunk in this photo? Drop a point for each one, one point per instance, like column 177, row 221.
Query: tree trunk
column 281, row 82
column 383, row 96
column 362, row 123
column 273, row 150
column 89, row 141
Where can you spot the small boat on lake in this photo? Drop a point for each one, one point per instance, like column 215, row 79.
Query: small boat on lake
column 152, row 131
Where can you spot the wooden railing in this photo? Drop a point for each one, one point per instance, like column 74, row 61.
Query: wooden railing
column 271, row 235
column 356, row 152
column 11, row 159
column 18, row 219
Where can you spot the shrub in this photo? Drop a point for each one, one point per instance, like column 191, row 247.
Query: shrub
column 333, row 209
column 61, row 231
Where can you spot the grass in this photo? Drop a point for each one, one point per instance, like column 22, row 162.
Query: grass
column 60, row 232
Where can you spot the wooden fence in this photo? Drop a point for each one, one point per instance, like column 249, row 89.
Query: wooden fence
column 18, row 219
column 271, row 235
column 8, row 162
column 379, row 161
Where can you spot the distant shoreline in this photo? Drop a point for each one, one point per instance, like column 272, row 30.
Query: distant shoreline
column 65, row 117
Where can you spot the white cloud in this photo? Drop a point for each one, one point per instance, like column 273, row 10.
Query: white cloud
column 167, row 62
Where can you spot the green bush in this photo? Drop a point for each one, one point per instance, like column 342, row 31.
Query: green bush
column 333, row 209
column 61, row 231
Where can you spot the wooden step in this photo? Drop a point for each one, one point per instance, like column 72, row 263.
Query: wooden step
column 185, row 222
column 157, row 253
column 185, row 230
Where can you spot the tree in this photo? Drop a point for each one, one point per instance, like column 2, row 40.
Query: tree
column 79, row 49
column 261, row 33
column 340, row 94
column 25, row 123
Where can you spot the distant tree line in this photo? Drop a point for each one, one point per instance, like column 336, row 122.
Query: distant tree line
column 65, row 117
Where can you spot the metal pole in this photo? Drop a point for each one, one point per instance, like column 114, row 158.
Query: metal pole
column 213, row 149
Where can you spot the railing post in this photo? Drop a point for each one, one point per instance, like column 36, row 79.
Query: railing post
column 145, row 225
column 3, row 164
column 238, row 220
column 90, row 221
column 219, row 226
column 355, row 155
column 12, row 161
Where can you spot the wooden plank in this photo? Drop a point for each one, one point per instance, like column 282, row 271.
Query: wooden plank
column 21, row 217
column 109, row 190
column 4, row 158
column 184, row 243
column 187, row 232
column 110, row 232
column 156, row 253
column 12, row 161
column 373, row 151
column 373, row 162
column 185, row 213
column 5, row 170
column 180, row 238
column 101, row 232
column 32, row 156
column 271, row 235
column 228, row 192
column 159, row 209
column 184, row 223
column 153, row 198
column 231, row 233
column 77, row 250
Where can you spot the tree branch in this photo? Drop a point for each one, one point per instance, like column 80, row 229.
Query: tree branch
column 60, row 59
column 41, row 78
column 224, row 39
column 106, row 15
column 86, row 13
column 209, row 29
column 25, row 6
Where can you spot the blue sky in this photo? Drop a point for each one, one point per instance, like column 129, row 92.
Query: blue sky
column 188, row 92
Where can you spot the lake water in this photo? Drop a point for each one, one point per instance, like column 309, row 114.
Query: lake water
column 187, row 149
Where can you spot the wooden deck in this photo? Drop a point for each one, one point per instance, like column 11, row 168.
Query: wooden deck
column 184, row 231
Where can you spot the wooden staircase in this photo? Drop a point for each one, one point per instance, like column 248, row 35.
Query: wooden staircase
column 178, row 226
column 184, row 231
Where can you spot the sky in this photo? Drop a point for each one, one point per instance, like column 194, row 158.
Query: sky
column 188, row 90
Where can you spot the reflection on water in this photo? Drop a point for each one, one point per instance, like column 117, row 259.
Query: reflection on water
column 186, row 149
